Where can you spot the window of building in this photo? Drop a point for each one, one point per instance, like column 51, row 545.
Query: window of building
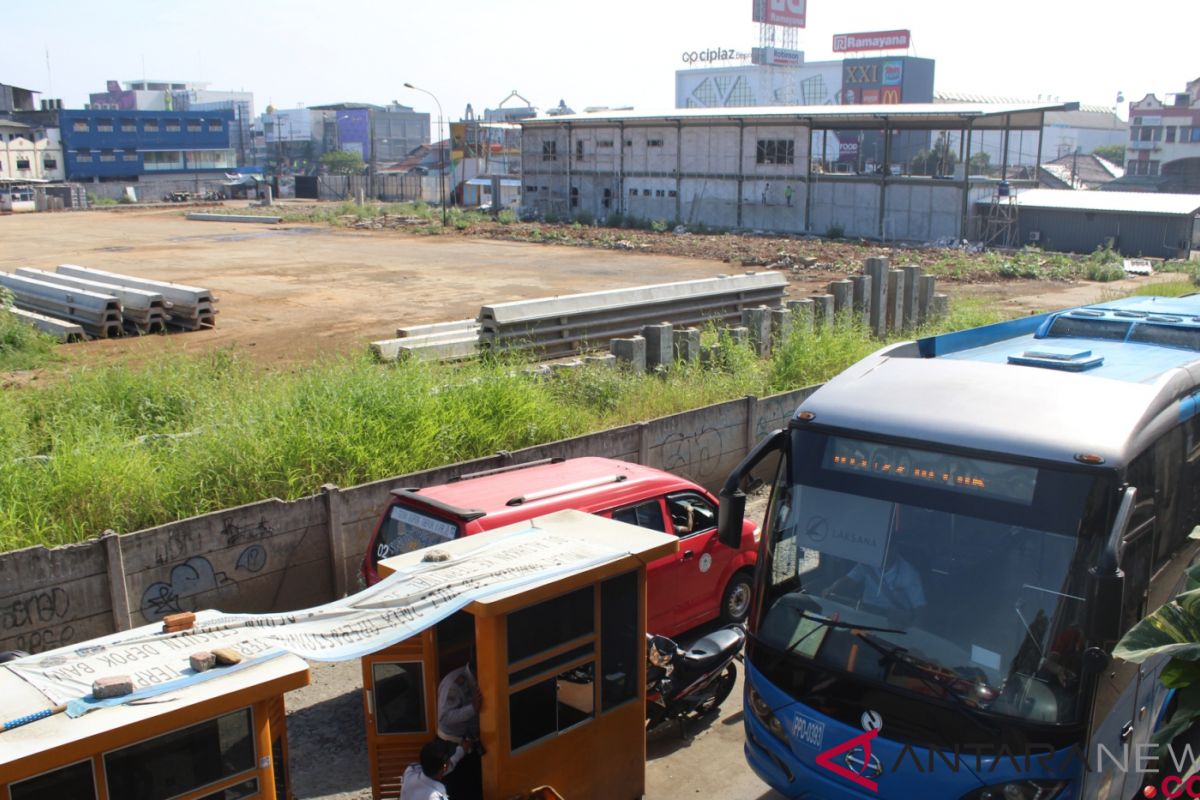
column 49, row 163
column 579, row 149
column 215, row 126
column 1170, row 135
column 776, row 151
column 654, row 143
column 150, row 126
column 604, row 143
column 660, row 193
column 606, row 202
column 672, row 193
column 193, row 126
column 171, row 126
column 633, row 192
column 1153, row 167
column 22, row 163
column 83, row 154
column 183, row 761
column 211, row 159
column 1195, row 134
column 162, row 160
column 645, row 192
column 530, row 189
column 77, row 780
column 1149, row 134
column 549, row 151
column 128, row 125
column 80, row 126
column 104, row 125
column 629, row 142
column 129, row 154
column 574, row 197
column 107, row 155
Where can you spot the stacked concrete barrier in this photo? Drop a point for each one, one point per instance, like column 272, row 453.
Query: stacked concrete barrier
column 190, row 307
column 562, row 325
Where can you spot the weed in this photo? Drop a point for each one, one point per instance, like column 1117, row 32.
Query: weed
column 835, row 231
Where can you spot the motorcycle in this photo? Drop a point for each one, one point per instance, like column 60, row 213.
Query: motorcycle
column 691, row 682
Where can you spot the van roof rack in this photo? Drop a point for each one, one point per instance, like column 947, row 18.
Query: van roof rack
column 508, row 468
column 565, row 488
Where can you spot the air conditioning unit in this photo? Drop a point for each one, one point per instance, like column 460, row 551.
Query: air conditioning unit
column 1035, row 236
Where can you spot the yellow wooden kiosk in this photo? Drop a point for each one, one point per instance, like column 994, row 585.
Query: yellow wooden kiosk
column 561, row 664
column 222, row 737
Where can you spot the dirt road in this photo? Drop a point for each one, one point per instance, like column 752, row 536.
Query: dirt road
column 292, row 292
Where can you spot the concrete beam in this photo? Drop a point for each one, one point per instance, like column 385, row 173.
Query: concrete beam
column 630, row 353
column 660, row 345
column 687, row 345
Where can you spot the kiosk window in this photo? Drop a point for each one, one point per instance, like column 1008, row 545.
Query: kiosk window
column 552, row 705
column 551, row 623
column 182, row 761
column 399, row 697
column 244, row 789
column 620, row 647
column 76, row 780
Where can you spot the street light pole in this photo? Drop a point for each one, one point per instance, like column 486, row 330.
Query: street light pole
column 441, row 151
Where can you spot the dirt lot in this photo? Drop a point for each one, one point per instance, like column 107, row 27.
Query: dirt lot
column 289, row 293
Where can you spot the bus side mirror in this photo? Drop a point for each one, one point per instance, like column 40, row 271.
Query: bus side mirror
column 1106, row 581
column 733, row 500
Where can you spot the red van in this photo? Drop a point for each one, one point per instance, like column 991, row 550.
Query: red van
column 704, row 580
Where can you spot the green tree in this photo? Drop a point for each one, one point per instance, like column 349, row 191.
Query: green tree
column 1111, row 152
column 939, row 160
column 980, row 163
column 343, row 162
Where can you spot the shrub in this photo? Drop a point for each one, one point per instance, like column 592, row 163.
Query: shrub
column 615, row 219
column 835, row 231
column 659, row 225
column 506, row 217
column 585, row 217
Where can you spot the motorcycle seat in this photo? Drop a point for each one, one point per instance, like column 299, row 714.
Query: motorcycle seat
column 713, row 648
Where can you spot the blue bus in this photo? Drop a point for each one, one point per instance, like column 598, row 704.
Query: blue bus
column 960, row 528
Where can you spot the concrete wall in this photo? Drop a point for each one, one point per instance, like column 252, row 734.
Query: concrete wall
column 921, row 212
column 276, row 556
column 852, row 205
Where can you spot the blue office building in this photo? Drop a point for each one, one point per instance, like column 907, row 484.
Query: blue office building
column 123, row 145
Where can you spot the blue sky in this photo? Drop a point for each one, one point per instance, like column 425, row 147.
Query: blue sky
column 614, row 53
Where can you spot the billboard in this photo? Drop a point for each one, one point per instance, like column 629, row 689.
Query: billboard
column 790, row 13
column 776, row 57
column 872, row 81
column 875, row 40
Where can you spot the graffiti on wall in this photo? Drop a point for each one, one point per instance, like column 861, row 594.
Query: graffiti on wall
column 696, row 454
column 41, row 619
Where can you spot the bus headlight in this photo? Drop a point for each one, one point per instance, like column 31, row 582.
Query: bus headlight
column 1019, row 790
column 766, row 716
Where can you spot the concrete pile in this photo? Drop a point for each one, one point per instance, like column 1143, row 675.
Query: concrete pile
column 560, row 326
column 77, row 302
column 188, row 308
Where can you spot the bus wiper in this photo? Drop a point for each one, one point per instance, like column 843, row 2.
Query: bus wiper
column 898, row 654
column 824, row 622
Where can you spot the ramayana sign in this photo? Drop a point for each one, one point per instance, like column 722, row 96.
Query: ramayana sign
column 875, row 40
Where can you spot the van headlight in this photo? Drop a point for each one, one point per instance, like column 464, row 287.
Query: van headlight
column 757, row 534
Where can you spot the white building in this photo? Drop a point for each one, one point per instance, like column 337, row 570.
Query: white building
column 1163, row 148
column 29, row 153
column 776, row 168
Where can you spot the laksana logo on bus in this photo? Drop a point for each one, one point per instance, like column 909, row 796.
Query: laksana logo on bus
column 854, row 761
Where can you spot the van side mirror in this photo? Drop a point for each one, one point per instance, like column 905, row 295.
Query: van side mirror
column 733, row 500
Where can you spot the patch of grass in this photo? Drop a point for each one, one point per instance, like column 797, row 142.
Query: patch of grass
column 127, row 448
column 1177, row 288
column 22, row 346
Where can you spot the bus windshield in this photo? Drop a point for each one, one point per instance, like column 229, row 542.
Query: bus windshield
column 944, row 575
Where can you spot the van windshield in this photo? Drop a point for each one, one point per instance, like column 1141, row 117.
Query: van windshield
column 406, row 529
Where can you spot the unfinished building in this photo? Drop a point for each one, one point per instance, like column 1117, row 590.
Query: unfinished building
column 894, row 172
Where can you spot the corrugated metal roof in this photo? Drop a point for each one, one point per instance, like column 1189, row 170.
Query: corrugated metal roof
column 974, row 97
column 827, row 114
column 1126, row 202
